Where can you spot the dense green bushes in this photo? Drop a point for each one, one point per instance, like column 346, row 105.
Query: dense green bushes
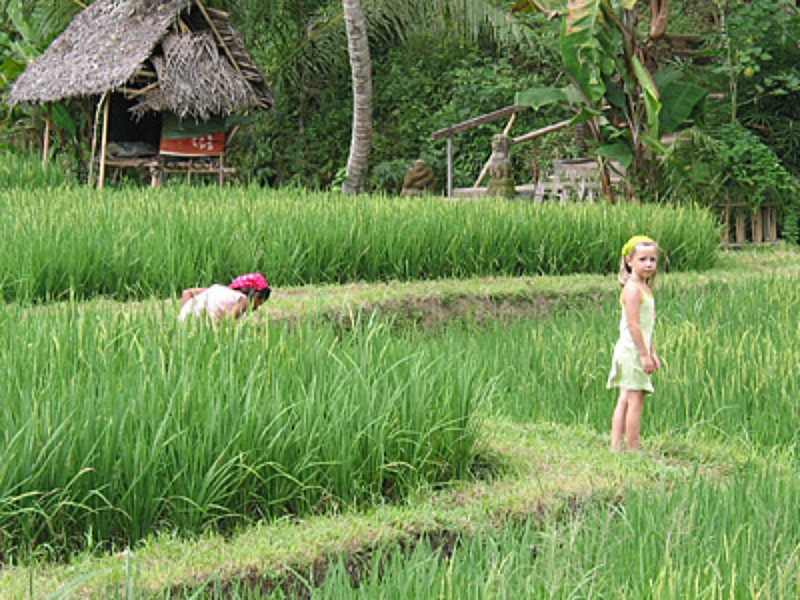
column 134, row 243
column 729, row 163
column 305, row 139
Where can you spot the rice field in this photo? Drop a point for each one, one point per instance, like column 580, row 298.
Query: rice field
column 738, row 539
column 120, row 425
column 130, row 244
column 730, row 373
column 221, row 426
column 730, row 363
column 27, row 172
column 117, row 425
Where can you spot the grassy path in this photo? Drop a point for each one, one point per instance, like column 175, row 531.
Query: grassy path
column 430, row 302
column 546, row 469
column 490, row 297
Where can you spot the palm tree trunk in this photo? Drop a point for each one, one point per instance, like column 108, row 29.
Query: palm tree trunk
column 361, row 72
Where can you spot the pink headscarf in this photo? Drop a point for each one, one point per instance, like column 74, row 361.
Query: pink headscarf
column 254, row 281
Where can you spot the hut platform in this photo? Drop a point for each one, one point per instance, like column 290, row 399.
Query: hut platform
column 159, row 167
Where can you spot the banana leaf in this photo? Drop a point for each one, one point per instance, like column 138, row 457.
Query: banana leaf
column 585, row 35
column 680, row 101
column 652, row 105
column 540, row 97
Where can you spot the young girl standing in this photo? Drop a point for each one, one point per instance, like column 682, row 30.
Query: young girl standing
column 635, row 357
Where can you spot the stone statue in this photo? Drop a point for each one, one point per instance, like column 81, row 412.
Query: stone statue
column 418, row 180
column 500, row 181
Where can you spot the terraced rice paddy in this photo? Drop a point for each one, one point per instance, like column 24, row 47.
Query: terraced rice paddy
column 122, row 427
column 129, row 244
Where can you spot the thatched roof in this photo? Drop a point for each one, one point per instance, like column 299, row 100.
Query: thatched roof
column 200, row 61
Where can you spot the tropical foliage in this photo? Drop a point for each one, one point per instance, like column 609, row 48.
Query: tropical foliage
column 729, row 163
column 422, row 53
column 441, row 62
column 760, row 67
column 627, row 103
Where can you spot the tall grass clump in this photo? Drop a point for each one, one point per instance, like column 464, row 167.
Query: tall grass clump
column 706, row 539
column 133, row 243
column 27, row 172
column 117, row 425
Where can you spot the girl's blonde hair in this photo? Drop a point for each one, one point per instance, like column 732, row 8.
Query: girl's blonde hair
column 631, row 246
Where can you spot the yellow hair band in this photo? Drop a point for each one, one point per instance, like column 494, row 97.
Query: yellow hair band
column 631, row 243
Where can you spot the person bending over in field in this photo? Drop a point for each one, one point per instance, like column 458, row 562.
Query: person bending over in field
column 246, row 292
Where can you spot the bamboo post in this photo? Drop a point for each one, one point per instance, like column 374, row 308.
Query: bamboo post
column 726, row 224
column 95, row 123
column 156, row 176
column 101, row 175
column 772, row 223
column 449, row 166
column 46, row 141
column 540, row 132
column 757, row 226
column 741, row 236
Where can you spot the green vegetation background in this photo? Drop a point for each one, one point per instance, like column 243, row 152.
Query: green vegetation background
column 728, row 406
column 434, row 68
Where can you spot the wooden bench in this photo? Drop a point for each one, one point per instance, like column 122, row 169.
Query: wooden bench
column 160, row 166
column 571, row 179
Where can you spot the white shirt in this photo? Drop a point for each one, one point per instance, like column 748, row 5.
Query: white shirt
column 215, row 302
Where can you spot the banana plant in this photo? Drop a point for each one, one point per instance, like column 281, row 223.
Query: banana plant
column 613, row 86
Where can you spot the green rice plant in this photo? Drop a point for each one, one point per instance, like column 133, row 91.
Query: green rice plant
column 27, row 172
column 706, row 539
column 116, row 425
column 134, row 243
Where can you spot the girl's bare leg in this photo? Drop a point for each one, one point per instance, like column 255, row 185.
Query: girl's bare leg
column 618, row 421
column 633, row 418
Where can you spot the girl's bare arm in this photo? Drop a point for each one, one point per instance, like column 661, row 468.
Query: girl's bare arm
column 654, row 355
column 238, row 308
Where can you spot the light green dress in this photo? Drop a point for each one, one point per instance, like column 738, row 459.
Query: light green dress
column 626, row 366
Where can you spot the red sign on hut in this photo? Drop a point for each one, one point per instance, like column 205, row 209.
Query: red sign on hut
column 189, row 137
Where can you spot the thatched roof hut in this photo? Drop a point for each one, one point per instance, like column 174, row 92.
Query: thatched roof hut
column 172, row 55
column 143, row 59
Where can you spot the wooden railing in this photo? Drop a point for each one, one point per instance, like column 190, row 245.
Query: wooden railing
column 742, row 225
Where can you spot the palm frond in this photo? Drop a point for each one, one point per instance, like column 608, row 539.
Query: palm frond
column 52, row 17
column 38, row 22
column 321, row 49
